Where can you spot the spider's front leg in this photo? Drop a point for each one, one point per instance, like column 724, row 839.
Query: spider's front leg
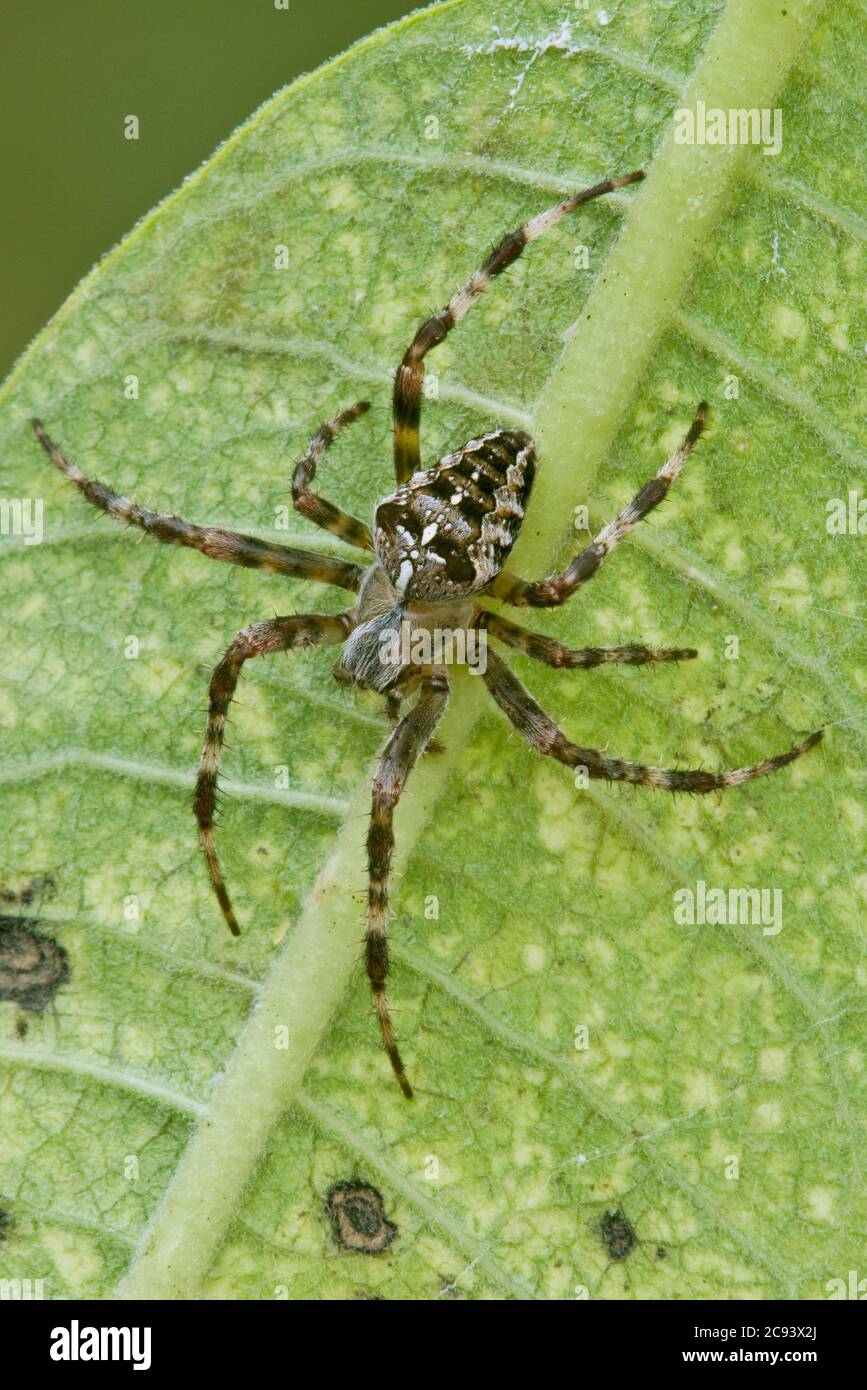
column 557, row 588
column 408, row 383
column 406, row 743
column 260, row 639
column 543, row 734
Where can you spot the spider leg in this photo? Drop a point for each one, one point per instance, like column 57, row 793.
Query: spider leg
column 541, row 731
column 557, row 588
column 259, row 639
column 213, row 541
column 553, row 653
column 392, row 709
column 410, row 374
column 314, row 507
column 394, row 698
column 407, row 741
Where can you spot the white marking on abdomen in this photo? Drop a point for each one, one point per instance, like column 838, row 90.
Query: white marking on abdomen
column 403, row 578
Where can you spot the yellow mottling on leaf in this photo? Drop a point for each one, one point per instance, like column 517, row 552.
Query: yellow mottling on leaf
column 772, row 1062
column 75, row 1255
column 818, row 1204
column 534, row 957
column 769, row 1115
column 790, row 324
column 699, row 1091
column 853, row 815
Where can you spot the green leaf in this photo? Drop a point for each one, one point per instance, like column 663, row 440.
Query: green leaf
column 153, row 1139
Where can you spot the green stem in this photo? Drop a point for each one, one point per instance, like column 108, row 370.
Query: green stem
column 646, row 274
column 305, row 986
column 744, row 65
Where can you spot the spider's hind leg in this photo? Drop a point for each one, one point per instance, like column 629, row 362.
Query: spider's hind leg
column 394, row 698
column 554, row 653
column 543, row 734
column 260, row 639
column 401, row 752
column 393, row 702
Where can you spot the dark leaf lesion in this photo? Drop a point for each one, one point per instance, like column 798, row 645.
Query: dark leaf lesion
column 33, row 966
column 358, row 1220
column 618, row 1235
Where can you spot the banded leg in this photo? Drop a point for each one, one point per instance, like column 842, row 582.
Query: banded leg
column 310, row 504
column 398, row 759
column 260, row 639
column 557, row 588
column 395, row 697
column 553, row 653
column 392, row 709
column 410, row 374
column 541, row 731
column 213, row 541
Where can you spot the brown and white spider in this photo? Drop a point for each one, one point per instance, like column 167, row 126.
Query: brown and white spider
column 440, row 541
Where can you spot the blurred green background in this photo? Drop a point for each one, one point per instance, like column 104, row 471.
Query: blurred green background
column 191, row 70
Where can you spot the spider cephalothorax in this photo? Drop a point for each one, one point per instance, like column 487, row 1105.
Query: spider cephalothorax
column 441, row 540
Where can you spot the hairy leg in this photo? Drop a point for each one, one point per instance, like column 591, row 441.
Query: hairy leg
column 553, row 653
column 310, row 504
column 213, row 541
column 395, row 697
column 557, row 588
column 539, row 730
column 407, row 741
column 410, row 374
column 260, row 639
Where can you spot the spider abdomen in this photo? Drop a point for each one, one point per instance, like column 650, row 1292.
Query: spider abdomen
column 446, row 532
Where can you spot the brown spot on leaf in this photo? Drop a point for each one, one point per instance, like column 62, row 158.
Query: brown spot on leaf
column 358, row 1218
column 32, row 965
column 620, row 1239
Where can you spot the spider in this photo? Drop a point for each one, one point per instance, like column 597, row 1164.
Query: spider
column 440, row 542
